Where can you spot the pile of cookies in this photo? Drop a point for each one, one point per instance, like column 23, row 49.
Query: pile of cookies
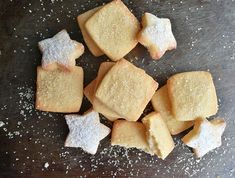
column 114, row 31
column 121, row 91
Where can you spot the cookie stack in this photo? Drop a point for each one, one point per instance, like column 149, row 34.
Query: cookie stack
column 120, row 90
column 100, row 27
column 113, row 30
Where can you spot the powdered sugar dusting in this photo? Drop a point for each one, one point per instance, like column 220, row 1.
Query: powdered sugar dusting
column 158, row 34
column 85, row 131
column 60, row 49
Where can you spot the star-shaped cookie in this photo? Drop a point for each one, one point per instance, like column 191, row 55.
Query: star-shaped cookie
column 60, row 49
column 205, row 136
column 85, row 131
column 156, row 35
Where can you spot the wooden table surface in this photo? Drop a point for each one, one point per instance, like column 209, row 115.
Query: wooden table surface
column 31, row 142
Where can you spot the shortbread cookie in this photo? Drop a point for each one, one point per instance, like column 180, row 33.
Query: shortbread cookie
column 59, row 90
column 205, row 136
column 129, row 134
column 156, row 35
column 85, row 131
column 161, row 104
column 126, row 90
column 60, row 49
column 114, row 29
column 95, row 50
column 158, row 136
column 192, row 95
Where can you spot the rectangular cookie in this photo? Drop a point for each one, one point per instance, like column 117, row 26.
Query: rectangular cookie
column 192, row 95
column 158, row 136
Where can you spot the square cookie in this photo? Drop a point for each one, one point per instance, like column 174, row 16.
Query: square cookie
column 59, row 90
column 192, row 95
column 82, row 18
column 156, row 35
column 161, row 104
column 205, row 136
column 114, row 29
column 126, row 90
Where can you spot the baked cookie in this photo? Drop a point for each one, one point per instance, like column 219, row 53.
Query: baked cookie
column 158, row 136
column 161, row 104
column 61, row 50
column 205, row 136
column 129, row 134
column 82, row 18
column 85, row 131
column 192, row 95
column 59, row 90
column 114, row 29
column 156, row 35
column 126, row 90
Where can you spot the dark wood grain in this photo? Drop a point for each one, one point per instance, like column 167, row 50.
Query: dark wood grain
column 205, row 34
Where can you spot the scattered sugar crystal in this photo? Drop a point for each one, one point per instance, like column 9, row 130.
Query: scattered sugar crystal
column 2, row 123
column 46, row 165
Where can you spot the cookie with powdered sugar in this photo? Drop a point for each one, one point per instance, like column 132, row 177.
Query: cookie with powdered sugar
column 60, row 49
column 156, row 35
column 85, row 131
column 205, row 136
